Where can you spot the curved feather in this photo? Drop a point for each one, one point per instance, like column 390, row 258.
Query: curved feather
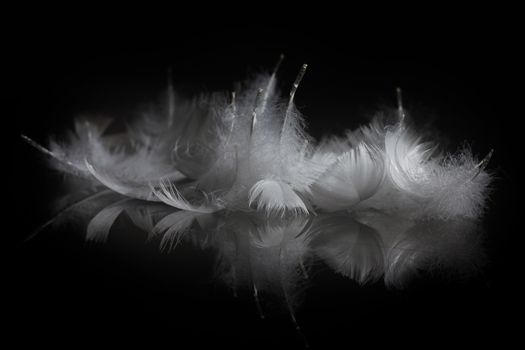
column 407, row 158
column 353, row 177
column 130, row 174
column 170, row 195
column 276, row 197
column 173, row 227
column 99, row 227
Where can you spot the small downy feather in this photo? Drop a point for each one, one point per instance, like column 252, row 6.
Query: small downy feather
column 409, row 161
column 68, row 156
column 353, row 177
column 276, row 191
column 459, row 186
column 276, row 197
column 168, row 193
column 129, row 172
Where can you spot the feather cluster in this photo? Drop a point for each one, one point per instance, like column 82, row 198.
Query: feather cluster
column 249, row 151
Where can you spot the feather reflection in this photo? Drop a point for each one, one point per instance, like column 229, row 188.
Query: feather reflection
column 276, row 258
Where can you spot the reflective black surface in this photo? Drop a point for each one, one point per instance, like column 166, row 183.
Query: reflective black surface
column 127, row 269
column 345, row 279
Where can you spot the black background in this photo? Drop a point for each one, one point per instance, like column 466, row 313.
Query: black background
column 459, row 78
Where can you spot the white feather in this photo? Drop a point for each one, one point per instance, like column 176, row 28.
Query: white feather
column 276, row 197
column 170, row 195
column 173, row 227
column 353, row 177
column 99, row 227
column 409, row 166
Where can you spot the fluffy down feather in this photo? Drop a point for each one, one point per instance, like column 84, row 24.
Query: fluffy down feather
column 276, row 197
column 353, row 177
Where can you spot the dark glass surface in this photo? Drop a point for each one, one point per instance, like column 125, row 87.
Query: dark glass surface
column 345, row 280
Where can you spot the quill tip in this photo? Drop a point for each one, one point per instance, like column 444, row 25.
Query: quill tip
column 36, row 145
column 28, row 139
column 400, row 109
column 485, row 161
